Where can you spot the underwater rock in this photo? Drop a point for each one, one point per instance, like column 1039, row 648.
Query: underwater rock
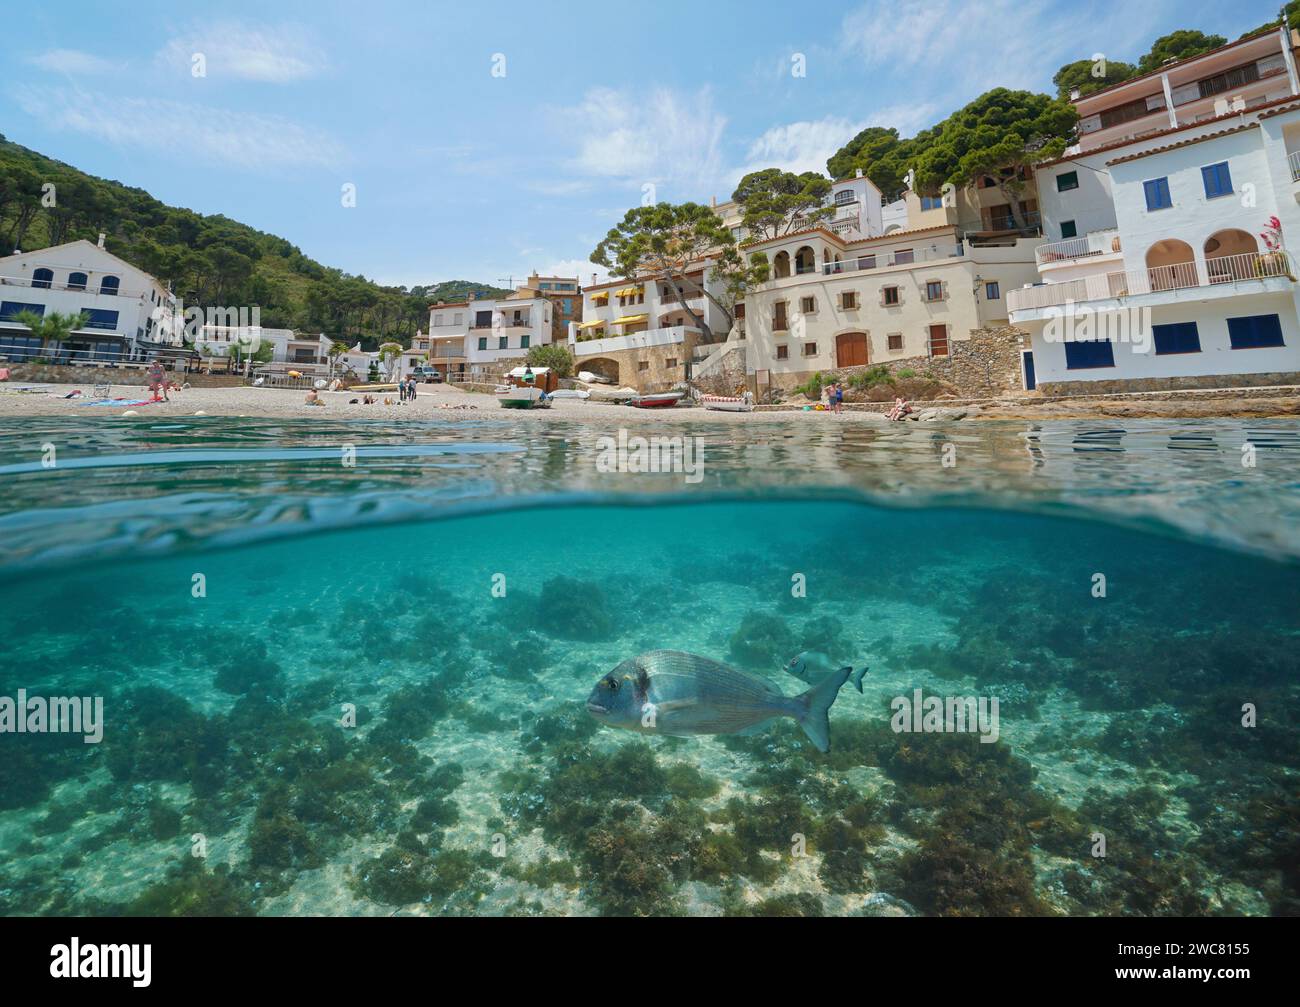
column 762, row 641
column 883, row 904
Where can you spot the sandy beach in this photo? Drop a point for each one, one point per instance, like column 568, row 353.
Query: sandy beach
column 446, row 402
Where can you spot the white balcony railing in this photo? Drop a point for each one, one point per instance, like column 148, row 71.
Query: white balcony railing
column 901, row 257
column 1092, row 243
column 92, row 287
column 1293, row 159
column 1178, row 276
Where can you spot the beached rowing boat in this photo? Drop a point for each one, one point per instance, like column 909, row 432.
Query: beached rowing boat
column 656, row 400
column 728, row 403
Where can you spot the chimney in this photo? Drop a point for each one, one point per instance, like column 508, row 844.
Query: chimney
column 1074, row 94
column 101, row 239
column 859, row 173
column 713, row 202
column 593, row 279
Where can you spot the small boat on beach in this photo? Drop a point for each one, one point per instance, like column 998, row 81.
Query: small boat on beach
column 656, row 400
column 527, row 388
column 728, row 403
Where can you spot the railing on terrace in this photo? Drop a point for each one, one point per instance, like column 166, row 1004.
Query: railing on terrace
column 881, row 260
column 1178, row 276
column 505, row 324
column 92, row 287
column 1293, row 159
column 1092, row 243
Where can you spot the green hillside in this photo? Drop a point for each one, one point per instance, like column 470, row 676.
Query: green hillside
column 208, row 260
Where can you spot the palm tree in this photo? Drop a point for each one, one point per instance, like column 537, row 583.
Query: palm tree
column 52, row 328
column 391, row 355
column 337, row 348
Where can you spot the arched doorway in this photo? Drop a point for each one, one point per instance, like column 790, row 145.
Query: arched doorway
column 602, row 367
column 805, row 260
column 1230, row 255
column 1171, row 264
column 851, row 349
column 781, row 265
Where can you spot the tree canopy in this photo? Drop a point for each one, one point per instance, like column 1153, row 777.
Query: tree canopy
column 1181, row 44
column 775, row 202
column 1087, row 76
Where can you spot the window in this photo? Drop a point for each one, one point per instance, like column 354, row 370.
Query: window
column 457, row 318
column 934, row 290
column 42, row 277
column 437, row 319
column 889, row 296
column 76, row 281
column 1085, row 355
column 931, row 203
column 849, row 300
column 643, row 365
column 524, row 341
column 993, row 291
column 1217, row 179
column 894, row 340
column 1068, row 230
column 1067, row 180
column 810, row 349
column 10, row 308
column 783, row 352
column 779, row 323
column 482, row 342
column 98, row 318
column 1250, row 333
column 1157, row 190
column 109, row 285
column 845, row 196
column 671, row 362
column 483, row 319
column 1131, row 110
column 1178, row 337
column 807, row 305
column 903, row 256
column 503, row 342
column 866, row 262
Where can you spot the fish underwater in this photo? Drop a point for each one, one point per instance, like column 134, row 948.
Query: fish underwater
column 812, row 666
column 676, row 693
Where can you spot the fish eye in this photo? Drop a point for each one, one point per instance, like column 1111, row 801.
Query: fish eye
column 611, row 683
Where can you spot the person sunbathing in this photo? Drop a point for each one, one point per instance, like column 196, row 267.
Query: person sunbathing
column 901, row 408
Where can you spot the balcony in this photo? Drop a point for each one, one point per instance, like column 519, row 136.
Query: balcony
column 1226, row 269
column 1093, row 243
column 902, row 257
column 1294, row 161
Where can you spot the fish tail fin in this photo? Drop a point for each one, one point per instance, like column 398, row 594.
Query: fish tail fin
column 855, row 677
column 815, row 704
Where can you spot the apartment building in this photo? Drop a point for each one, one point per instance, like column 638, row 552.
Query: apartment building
column 638, row 332
column 124, row 308
column 566, row 301
column 1164, row 242
column 473, row 337
column 904, row 296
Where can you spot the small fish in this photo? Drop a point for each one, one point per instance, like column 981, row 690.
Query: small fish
column 812, row 666
column 675, row 693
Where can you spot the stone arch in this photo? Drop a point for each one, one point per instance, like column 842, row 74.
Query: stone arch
column 605, row 367
column 781, row 265
column 1171, row 264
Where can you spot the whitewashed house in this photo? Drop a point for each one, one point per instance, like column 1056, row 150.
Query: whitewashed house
column 126, row 310
column 1166, row 271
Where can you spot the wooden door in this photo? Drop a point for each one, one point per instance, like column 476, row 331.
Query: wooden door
column 851, row 349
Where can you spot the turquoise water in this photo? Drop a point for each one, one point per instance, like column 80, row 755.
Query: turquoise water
column 359, row 689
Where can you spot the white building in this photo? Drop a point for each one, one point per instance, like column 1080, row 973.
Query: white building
column 123, row 306
column 473, row 337
column 1160, row 214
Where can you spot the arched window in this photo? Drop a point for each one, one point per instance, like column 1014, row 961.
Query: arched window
column 76, row 281
column 109, row 285
column 42, row 277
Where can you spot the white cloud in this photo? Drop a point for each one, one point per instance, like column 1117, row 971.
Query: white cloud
column 576, row 267
column 660, row 137
column 273, row 54
column 244, row 140
column 800, row 146
column 72, row 61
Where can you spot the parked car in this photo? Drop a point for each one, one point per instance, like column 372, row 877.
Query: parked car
column 429, row 375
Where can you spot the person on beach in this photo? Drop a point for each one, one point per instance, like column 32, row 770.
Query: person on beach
column 901, row 408
column 413, row 386
column 839, row 397
column 157, row 382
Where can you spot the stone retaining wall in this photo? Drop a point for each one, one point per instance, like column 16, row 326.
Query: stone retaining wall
column 1192, row 383
column 62, row 374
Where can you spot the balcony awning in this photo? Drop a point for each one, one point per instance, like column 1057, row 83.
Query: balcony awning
column 630, row 319
column 628, row 291
column 592, row 324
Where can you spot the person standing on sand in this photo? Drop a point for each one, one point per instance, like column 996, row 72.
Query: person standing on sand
column 839, row 397
column 157, row 382
column 414, row 386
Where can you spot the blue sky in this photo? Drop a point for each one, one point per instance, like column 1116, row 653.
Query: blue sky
column 466, row 173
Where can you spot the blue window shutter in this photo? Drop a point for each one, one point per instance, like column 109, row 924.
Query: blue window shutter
column 1157, row 193
column 1084, row 355
column 1179, row 337
column 1217, row 179
column 1255, row 332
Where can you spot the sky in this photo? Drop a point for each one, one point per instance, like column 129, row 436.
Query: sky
column 484, row 140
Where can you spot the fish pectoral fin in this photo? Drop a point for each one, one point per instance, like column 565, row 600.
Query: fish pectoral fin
column 758, row 728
